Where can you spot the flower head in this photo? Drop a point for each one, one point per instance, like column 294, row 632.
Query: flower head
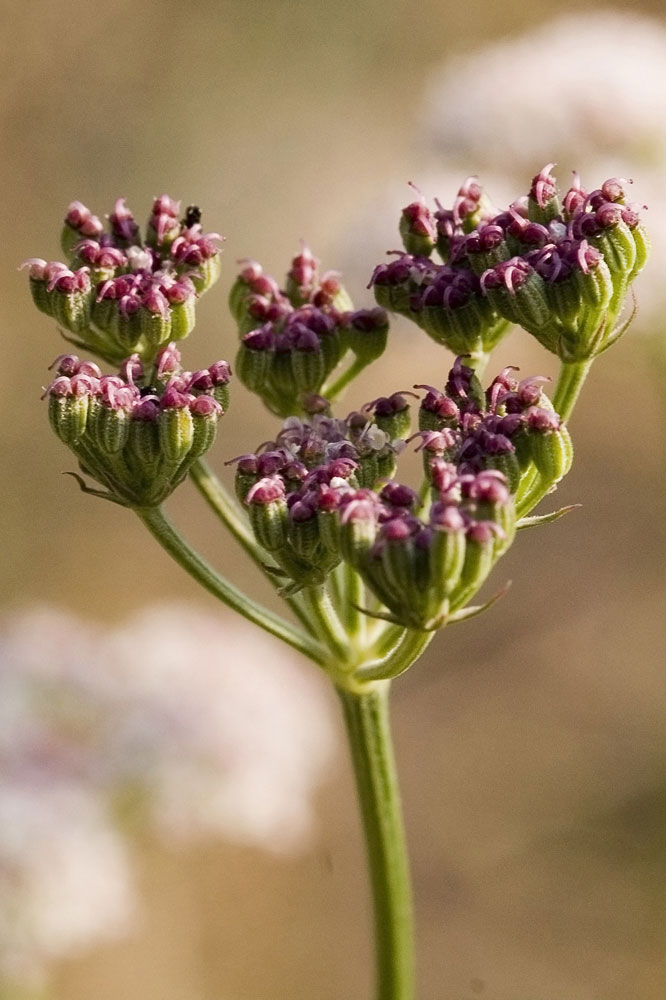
column 122, row 292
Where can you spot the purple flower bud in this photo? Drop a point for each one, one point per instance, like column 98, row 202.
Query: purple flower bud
column 446, row 517
column 174, row 398
column 266, row 491
column 146, row 410
column 614, row 188
column 167, row 360
column 398, row 495
column 544, row 186
column 205, row 406
column 123, row 224
column 82, row 220
column 539, row 419
column 131, row 370
column 575, row 197
column 483, row 532
column 155, row 302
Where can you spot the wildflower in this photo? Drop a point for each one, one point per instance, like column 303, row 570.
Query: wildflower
column 137, row 433
column 561, row 270
column 293, row 340
column 120, row 293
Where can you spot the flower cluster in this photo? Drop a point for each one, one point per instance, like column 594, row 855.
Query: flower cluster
column 322, row 492
column 137, row 433
column 558, row 268
column 121, row 292
column 292, row 340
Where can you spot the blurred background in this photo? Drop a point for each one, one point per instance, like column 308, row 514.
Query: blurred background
column 530, row 741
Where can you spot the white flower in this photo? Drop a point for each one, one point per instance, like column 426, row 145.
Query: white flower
column 582, row 85
column 211, row 725
column 65, row 880
column 232, row 734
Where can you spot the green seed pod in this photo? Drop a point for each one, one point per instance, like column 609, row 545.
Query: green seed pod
column 269, row 523
column 307, row 364
column 619, row 248
column 328, row 522
column 418, row 229
column 253, row 365
column 282, row 381
column 105, row 315
column 446, row 556
column 42, row 299
column 206, row 274
column 155, row 326
column 109, row 428
column 596, row 287
column 143, row 447
column 71, row 310
column 479, row 558
column 508, row 464
column 182, row 319
column 238, row 296
column 332, row 349
column 552, row 453
column 303, row 534
column 368, row 334
column 204, row 433
column 68, row 415
column 358, row 531
column 176, row 432
column 642, row 241
column 543, row 204
column 127, row 328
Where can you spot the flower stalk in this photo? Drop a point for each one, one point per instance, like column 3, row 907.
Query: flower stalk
column 366, row 715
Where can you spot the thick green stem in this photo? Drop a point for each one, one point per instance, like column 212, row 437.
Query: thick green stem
column 171, row 540
column 367, row 721
column 569, row 384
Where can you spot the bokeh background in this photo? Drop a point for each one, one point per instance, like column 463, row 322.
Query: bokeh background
column 531, row 741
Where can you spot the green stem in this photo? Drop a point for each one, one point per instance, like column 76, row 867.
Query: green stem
column 219, row 500
column 412, row 644
column 173, row 542
column 326, row 623
column 355, row 368
column 366, row 717
column 569, row 384
column 223, row 505
column 351, row 600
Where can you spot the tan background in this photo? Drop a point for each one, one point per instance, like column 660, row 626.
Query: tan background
column 531, row 742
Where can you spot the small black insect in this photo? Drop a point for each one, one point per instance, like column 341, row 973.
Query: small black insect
column 147, row 390
column 192, row 215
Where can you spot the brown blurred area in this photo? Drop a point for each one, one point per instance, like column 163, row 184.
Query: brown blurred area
column 531, row 741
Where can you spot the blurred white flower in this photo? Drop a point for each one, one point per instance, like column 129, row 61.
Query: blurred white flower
column 65, row 878
column 585, row 90
column 232, row 735
column 582, row 85
column 211, row 727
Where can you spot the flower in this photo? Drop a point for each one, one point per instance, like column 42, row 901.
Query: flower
column 137, row 433
column 120, row 292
